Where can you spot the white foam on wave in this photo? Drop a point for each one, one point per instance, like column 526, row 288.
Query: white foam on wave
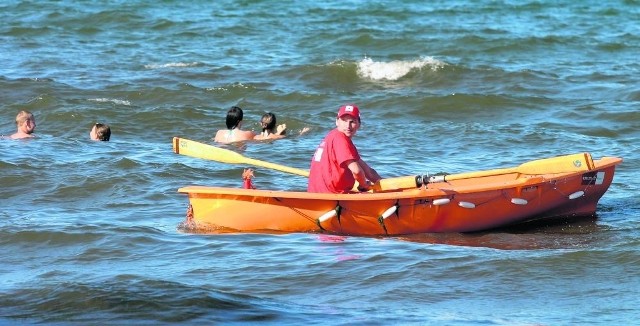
column 394, row 70
column 110, row 100
column 172, row 65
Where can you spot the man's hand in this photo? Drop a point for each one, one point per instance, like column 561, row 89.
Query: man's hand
column 364, row 187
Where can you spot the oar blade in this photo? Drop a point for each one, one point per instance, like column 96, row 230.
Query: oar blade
column 580, row 162
column 208, row 152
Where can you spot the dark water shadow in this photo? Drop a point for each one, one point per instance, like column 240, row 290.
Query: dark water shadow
column 556, row 233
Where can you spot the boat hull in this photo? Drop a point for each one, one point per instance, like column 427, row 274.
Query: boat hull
column 466, row 205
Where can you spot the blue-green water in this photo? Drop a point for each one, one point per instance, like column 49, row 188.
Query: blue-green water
column 88, row 231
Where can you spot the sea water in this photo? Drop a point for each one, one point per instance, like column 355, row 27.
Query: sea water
column 89, row 230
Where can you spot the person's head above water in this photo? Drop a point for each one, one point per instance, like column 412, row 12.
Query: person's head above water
column 268, row 122
column 101, row 132
column 234, row 117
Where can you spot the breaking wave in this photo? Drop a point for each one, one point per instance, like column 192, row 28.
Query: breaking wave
column 394, row 70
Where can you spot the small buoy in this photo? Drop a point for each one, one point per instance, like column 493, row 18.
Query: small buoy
column 389, row 211
column 519, row 201
column 328, row 215
column 466, row 204
column 441, row 201
column 576, row 194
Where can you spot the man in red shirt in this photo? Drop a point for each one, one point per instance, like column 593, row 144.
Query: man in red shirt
column 336, row 164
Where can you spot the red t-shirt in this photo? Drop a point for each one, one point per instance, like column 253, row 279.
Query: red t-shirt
column 328, row 173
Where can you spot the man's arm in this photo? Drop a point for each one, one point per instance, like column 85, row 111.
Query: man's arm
column 369, row 172
column 359, row 175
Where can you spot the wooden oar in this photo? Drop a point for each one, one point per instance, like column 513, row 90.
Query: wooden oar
column 199, row 150
column 580, row 162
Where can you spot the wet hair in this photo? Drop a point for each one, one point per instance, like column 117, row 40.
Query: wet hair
column 234, row 116
column 103, row 132
column 23, row 116
column 268, row 122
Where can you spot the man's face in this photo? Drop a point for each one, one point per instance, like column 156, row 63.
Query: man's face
column 348, row 125
column 30, row 126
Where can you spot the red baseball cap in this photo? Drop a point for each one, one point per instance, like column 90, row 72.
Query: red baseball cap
column 349, row 109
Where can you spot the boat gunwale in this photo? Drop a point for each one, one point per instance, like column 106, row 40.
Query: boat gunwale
column 520, row 180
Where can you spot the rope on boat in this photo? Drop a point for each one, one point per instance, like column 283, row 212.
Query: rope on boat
column 578, row 193
column 311, row 219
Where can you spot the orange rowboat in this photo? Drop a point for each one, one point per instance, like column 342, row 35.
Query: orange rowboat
column 464, row 202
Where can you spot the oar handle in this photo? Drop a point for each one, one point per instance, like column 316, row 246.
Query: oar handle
column 278, row 167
